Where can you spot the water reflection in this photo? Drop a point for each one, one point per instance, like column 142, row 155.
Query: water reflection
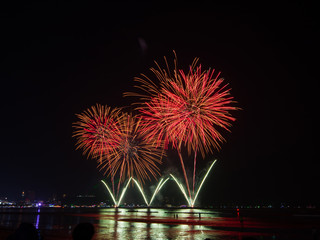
column 38, row 218
column 142, row 223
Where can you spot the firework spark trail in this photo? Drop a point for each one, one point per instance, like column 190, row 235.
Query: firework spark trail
column 182, row 189
column 186, row 110
column 123, row 191
column 184, row 172
column 117, row 203
column 111, row 194
column 142, row 193
column 191, row 201
column 194, row 171
column 203, row 180
column 95, row 131
column 158, row 188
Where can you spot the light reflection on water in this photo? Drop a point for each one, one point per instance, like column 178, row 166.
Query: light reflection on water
column 123, row 223
column 114, row 224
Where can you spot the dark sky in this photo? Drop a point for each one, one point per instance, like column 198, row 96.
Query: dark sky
column 57, row 59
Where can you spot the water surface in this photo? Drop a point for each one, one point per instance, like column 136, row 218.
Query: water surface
column 162, row 223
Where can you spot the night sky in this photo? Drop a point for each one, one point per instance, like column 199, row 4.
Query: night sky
column 58, row 59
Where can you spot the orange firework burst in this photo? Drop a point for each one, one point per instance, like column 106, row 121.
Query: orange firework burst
column 133, row 154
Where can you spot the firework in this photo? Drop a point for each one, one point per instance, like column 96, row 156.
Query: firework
column 123, row 192
column 185, row 110
column 192, row 201
column 141, row 191
column 117, row 203
column 182, row 190
column 132, row 154
column 95, row 131
column 117, row 141
column 110, row 192
column 202, row 182
column 159, row 186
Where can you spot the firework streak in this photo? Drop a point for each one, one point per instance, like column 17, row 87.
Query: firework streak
column 159, row 186
column 117, row 203
column 191, row 201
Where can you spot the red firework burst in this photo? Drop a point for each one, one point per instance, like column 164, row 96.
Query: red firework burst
column 187, row 108
column 96, row 131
